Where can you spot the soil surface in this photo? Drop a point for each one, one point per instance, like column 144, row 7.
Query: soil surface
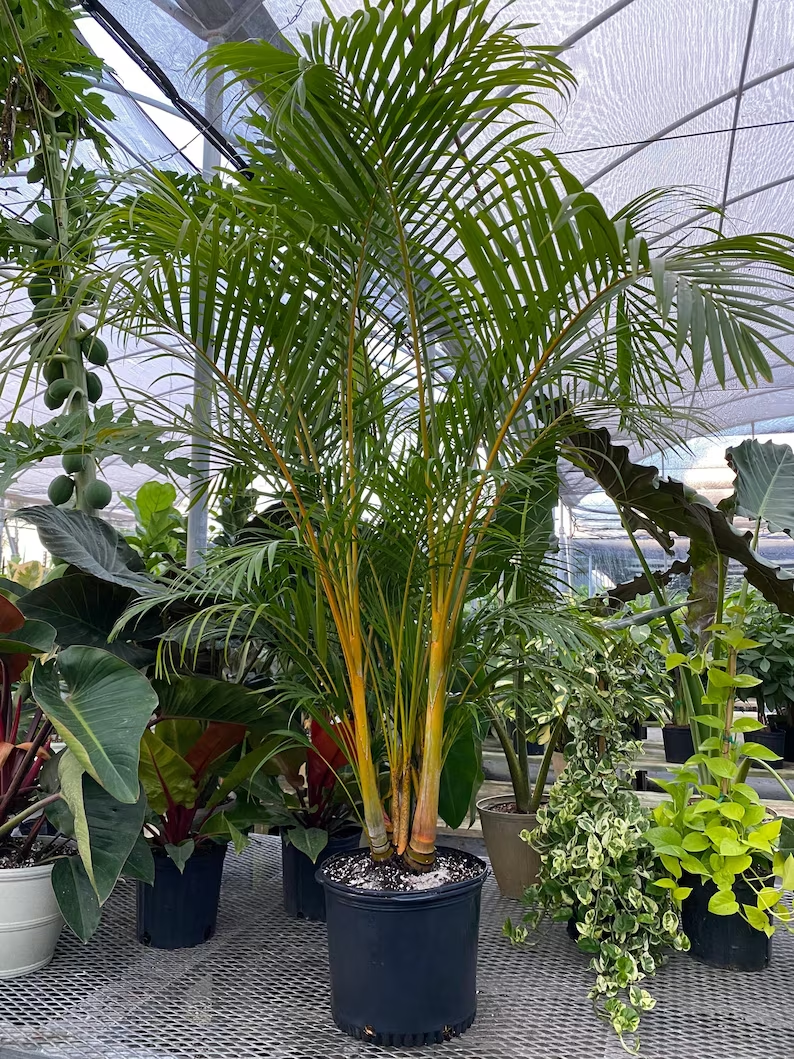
column 359, row 870
column 8, row 855
column 505, row 807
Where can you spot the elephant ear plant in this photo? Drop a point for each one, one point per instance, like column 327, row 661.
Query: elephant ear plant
column 98, row 707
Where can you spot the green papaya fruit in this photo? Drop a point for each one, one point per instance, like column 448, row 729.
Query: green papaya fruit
column 74, row 462
column 93, row 385
column 42, row 310
column 52, row 370
column 98, row 495
column 39, row 288
column 94, row 350
column 45, row 226
column 75, row 204
column 60, row 490
column 58, row 391
column 74, row 291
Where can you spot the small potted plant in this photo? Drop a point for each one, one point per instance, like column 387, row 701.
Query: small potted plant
column 772, row 661
column 597, row 872
column 316, row 822
column 98, row 706
column 189, row 779
column 515, row 863
column 716, row 840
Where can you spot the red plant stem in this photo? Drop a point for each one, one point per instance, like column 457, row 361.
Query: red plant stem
column 30, row 840
column 21, row 772
column 5, row 703
column 38, row 716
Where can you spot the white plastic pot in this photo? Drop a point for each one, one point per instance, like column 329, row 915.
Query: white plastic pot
column 30, row 920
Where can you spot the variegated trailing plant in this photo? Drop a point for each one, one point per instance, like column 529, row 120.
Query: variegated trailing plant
column 597, row 871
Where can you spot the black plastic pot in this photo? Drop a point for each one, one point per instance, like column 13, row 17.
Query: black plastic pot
column 788, row 753
column 722, row 941
column 773, row 738
column 403, row 965
column 638, row 731
column 181, row 910
column 304, row 897
column 535, row 749
column 678, row 744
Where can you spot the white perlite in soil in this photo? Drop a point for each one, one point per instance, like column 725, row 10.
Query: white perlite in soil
column 359, row 870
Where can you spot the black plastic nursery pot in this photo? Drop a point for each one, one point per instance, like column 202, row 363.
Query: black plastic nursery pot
column 403, row 965
column 788, row 752
column 722, row 941
column 535, row 749
column 181, row 909
column 773, row 738
column 304, row 897
column 678, row 744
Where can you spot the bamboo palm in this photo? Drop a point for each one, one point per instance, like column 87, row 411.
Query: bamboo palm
column 406, row 302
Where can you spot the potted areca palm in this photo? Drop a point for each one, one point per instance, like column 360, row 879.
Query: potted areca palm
column 388, row 312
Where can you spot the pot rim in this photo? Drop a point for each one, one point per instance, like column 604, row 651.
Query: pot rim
column 30, row 871
column 486, row 805
column 401, row 896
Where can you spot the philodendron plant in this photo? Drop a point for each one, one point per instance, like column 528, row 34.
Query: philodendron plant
column 208, row 739
column 98, row 707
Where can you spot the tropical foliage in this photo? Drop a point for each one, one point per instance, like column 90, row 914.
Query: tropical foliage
column 396, row 307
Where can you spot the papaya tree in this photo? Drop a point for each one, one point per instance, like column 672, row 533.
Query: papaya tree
column 50, row 110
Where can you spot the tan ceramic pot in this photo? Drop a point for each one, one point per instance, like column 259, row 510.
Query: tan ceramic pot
column 515, row 863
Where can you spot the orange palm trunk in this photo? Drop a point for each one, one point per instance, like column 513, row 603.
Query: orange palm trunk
column 421, row 852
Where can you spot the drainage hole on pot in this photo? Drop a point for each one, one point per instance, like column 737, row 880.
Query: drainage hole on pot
column 145, row 939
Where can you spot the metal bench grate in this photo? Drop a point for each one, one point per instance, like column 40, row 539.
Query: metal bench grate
column 259, row 990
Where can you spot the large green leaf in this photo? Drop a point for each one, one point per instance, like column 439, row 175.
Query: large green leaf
column 84, row 609
column 100, row 707
column 88, row 543
column 76, row 898
column 140, row 863
column 663, row 506
column 461, row 778
column 764, row 482
column 105, row 829
column 207, row 699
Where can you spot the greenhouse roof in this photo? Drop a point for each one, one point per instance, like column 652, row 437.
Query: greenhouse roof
column 670, row 93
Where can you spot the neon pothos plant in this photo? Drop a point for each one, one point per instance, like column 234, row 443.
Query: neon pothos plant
column 98, row 706
column 384, row 301
column 715, row 826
